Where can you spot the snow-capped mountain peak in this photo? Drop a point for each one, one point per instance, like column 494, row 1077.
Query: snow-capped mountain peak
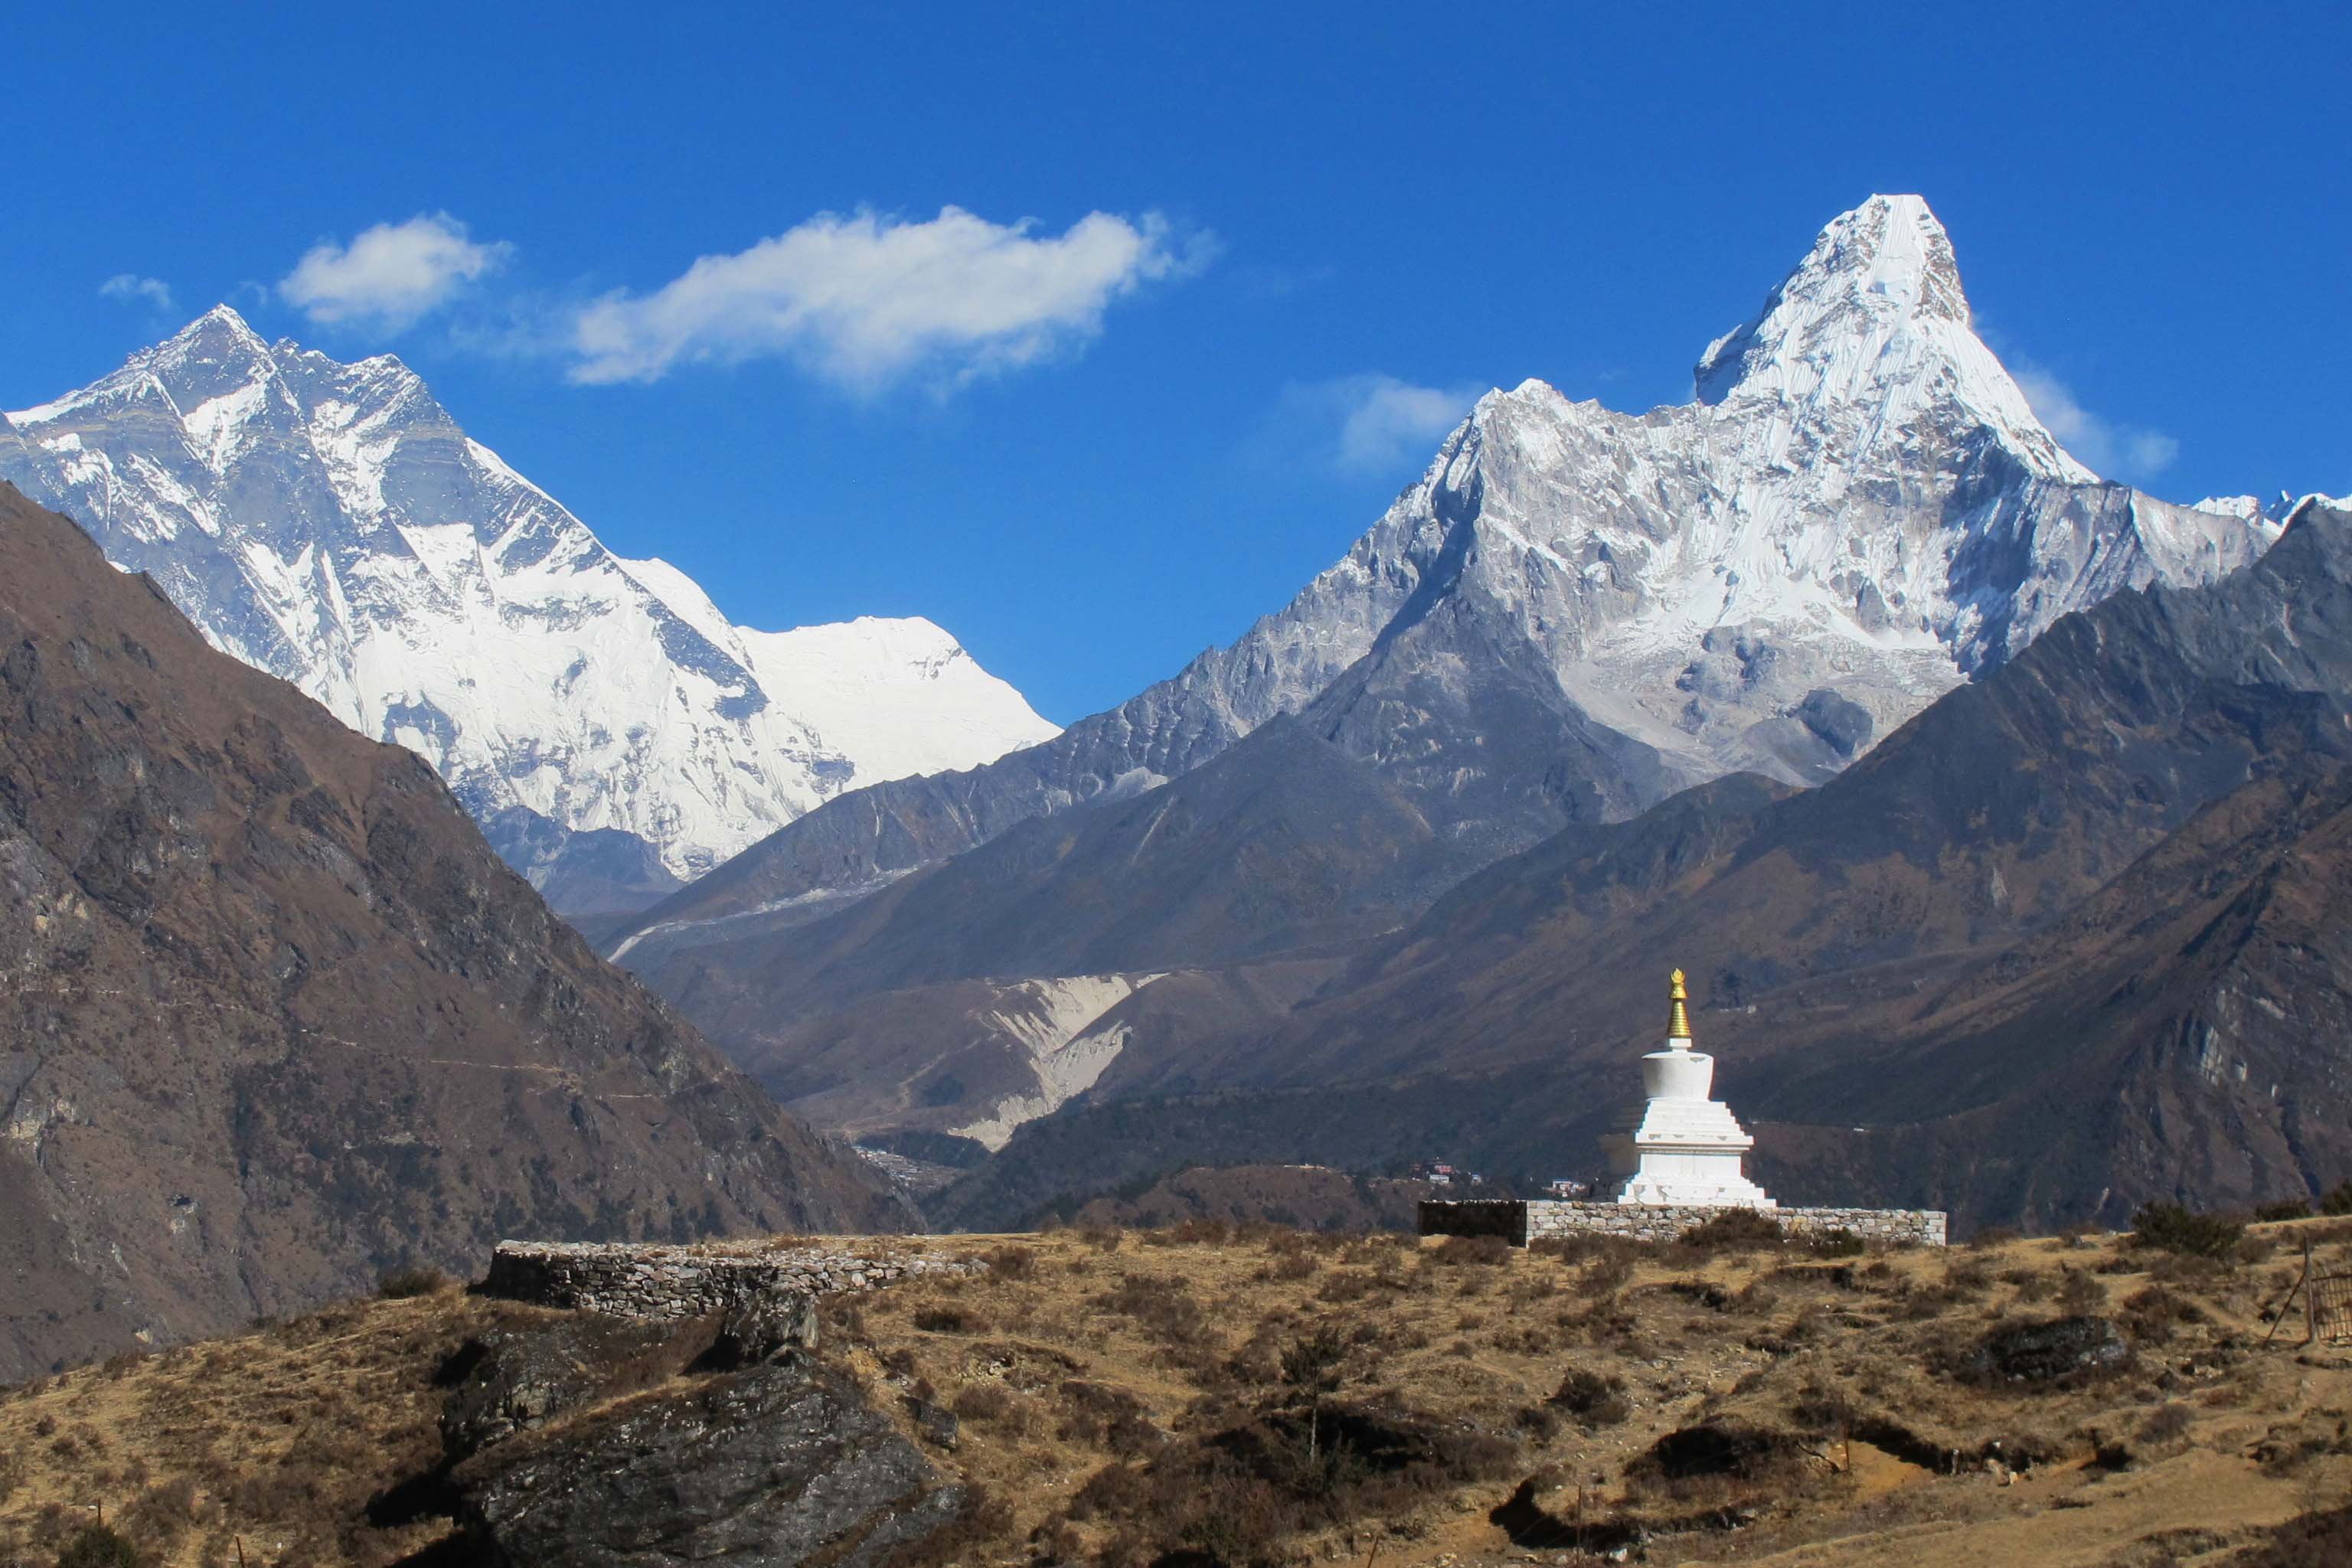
column 1577, row 608
column 1875, row 319
column 330, row 524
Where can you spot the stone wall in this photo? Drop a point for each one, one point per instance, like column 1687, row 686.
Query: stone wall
column 633, row 1280
column 1520, row 1221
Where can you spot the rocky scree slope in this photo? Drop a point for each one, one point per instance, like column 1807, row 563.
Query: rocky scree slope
column 331, row 524
column 2072, row 939
column 274, row 1019
column 882, row 1019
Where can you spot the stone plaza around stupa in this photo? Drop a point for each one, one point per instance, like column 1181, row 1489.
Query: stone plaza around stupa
column 1676, row 1159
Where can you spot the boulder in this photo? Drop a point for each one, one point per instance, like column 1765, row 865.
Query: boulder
column 764, row 1325
column 512, row 1378
column 2062, row 1349
column 935, row 1426
column 781, row 1463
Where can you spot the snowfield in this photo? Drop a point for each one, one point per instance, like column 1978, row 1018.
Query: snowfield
column 329, row 523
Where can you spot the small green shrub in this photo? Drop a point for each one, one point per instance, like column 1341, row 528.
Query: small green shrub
column 2337, row 1200
column 1594, row 1398
column 1012, row 1263
column 98, row 1546
column 1734, row 1230
column 2081, row 1294
column 401, row 1284
column 2284, row 1208
column 1481, row 1251
column 2168, row 1228
column 1838, row 1243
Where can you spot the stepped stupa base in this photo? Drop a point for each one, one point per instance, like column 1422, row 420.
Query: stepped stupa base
column 1521, row 1221
column 1741, row 1194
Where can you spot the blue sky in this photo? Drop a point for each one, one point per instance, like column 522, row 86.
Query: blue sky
column 1095, row 445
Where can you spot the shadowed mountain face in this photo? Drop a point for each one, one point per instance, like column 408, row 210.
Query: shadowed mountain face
column 275, row 1018
column 1283, row 843
column 2073, row 938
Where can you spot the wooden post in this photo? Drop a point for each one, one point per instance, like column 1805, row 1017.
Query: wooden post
column 240, row 1549
column 2310, row 1299
column 2302, row 1283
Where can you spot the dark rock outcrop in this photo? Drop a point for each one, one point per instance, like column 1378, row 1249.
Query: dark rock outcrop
column 759, row 1328
column 2062, row 1350
column 782, row 1463
column 514, row 1379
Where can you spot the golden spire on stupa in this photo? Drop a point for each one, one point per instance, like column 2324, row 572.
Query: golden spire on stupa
column 1679, row 1020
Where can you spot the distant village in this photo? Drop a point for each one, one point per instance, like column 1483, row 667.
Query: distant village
column 1440, row 1174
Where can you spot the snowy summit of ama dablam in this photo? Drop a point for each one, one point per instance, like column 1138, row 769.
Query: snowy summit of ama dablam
column 1576, row 612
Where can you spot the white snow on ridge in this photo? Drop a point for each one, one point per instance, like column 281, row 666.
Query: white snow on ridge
column 1858, row 505
column 331, row 524
column 897, row 695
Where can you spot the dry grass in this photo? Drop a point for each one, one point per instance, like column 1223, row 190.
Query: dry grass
column 1262, row 1395
column 275, row 1442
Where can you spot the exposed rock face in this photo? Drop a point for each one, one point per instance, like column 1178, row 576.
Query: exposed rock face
column 330, row 524
column 276, row 1019
column 783, row 1463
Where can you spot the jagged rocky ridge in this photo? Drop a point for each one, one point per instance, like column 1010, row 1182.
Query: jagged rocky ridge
column 274, row 1019
column 1574, row 614
column 2072, row 939
column 331, row 524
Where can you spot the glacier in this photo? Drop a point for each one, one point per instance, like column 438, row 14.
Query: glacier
column 331, row 524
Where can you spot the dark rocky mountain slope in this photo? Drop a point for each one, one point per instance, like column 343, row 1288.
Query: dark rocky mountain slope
column 1575, row 614
column 2074, row 937
column 275, row 1018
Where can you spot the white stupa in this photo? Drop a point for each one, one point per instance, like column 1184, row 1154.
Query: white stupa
column 1678, row 1146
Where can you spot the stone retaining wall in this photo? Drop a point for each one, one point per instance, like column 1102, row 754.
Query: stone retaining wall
column 634, row 1280
column 1520, row 1221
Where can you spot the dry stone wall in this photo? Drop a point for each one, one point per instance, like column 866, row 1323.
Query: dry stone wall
column 629, row 1280
column 1520, row 1221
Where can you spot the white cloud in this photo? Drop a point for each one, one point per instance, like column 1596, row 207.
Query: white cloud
column 1371, row 423
column 390, row 274
column 2106, row 448
column 864, row 299
column 130, row 286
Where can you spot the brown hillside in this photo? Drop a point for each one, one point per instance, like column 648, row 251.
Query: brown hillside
column 274, row 1019
column 1120, row 1399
